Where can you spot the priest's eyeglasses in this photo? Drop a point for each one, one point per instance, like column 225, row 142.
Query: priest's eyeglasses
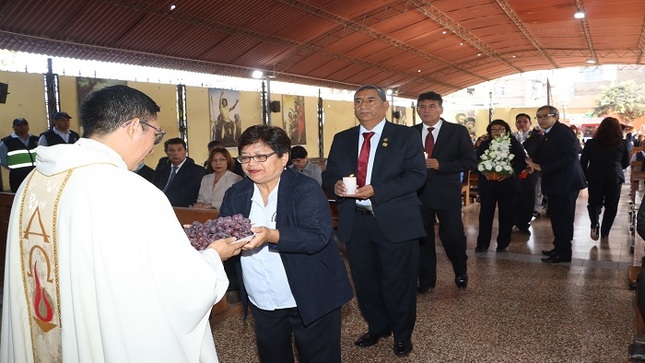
column 159, row 133
column 260, row 158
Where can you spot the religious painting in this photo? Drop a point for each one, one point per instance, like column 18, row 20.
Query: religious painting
column 85, row 86
column 467, row 119
column 293, row 119
column 225, row 119
column 399, row 115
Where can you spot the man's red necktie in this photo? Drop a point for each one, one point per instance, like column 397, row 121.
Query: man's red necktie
column 363, row 158
column 429, row 143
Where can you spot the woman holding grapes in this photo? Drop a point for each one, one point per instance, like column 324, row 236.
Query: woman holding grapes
column 293, row 276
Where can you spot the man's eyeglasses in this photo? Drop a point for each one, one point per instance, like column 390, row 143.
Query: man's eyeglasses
column 541, row 117
column 159, row 133
column 260, row 158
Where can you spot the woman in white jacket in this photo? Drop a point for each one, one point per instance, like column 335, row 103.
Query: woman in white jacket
column 220, row 178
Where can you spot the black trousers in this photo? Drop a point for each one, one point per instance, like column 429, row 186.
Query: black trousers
column 453, row 239
column 16, row 177
column 562, row 209
column 319, row 342
column 506, row 203
column 526, row 201
column 607, row 194
column 384, row 275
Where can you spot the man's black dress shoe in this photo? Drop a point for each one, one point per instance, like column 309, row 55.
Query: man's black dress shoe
column 554, row 258
column 461, row 281
column 369, row 339
column 548, row 252
column 481, row 249
column 402, row 348
column 424, row 289
column 502, row 249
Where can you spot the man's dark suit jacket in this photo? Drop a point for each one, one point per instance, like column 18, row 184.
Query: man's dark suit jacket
column 398, row 171
column 455, row 152
column 184, row 188
column 531, row 143
column 557, row 156
column 314, row 267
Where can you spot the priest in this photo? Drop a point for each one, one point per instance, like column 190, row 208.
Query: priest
column 98, row 267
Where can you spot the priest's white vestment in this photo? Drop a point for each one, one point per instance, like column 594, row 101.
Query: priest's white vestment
column 130, row 287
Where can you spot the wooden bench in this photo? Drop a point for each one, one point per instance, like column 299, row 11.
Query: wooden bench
column 637, row 246
column 190, row 215
column 185, row 216
column 6, row 200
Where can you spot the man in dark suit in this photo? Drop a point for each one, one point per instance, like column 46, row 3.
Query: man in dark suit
column 381, row 222
column 562, row 179
column 528, row 179
column 179, row 178
column 448, row 153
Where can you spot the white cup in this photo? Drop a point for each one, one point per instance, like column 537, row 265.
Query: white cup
column 350, row 184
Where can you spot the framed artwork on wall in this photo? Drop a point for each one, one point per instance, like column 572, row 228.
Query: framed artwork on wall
column 85, row 86
column 293, row 119
column 225, row 116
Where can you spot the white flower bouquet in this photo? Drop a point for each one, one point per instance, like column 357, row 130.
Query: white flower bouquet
column 495, row 162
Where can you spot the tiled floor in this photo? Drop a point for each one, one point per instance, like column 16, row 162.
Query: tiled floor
column 515, row 309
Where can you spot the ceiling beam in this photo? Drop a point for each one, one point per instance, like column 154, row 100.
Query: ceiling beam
column 361, row 28
column 506, row 7
column 641, row 45
column 444, row 20
column 237, row 31
column 585, row 29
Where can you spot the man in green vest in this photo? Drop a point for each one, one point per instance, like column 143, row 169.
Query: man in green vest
column 17, row 153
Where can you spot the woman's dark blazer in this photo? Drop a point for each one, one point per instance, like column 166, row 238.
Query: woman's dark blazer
column 600, row 165
column 315, row 270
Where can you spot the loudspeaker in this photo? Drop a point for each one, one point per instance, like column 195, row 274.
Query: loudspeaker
column 3, row 92
column 274, row 106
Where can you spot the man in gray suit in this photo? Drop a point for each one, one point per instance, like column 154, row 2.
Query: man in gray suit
column 448, row 153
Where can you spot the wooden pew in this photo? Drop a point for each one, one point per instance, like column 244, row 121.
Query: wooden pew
column 473, row 182
column 637, row 347
column 188, row 216
column 6, row 200
column 465, row 188
column 185, row 216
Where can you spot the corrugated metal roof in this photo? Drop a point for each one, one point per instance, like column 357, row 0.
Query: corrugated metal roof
column 412, row 45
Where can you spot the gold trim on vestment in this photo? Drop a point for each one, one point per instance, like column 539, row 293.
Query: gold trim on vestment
column 40, row 199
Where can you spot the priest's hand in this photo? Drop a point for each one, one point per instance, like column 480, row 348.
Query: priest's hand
column 225, row 248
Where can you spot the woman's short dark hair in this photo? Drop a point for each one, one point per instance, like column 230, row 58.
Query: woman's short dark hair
column 498, row 122
column 104, row 111
column 227, row 155
column 272, row 136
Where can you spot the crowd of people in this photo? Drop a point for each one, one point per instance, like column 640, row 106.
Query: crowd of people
column 291, row 274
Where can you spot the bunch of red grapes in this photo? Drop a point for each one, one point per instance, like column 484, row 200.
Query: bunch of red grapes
column 203, row 234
